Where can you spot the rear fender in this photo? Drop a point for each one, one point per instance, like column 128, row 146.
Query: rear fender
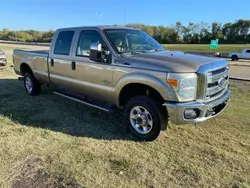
column 26, row 61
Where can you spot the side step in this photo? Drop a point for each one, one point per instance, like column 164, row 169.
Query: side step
column 87, row 103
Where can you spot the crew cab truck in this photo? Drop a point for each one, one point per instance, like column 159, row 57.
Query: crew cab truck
column 235, row 56
column 112, row 68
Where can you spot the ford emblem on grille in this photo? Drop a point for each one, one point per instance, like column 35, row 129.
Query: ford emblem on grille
column 222, row 82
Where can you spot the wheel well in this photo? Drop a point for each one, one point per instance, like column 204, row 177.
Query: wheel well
column 235, row 56
column 25, row 68
column 132, row 90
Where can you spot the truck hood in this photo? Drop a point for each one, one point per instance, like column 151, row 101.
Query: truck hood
column 169, row 61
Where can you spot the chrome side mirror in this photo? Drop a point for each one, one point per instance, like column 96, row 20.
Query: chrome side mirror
column 96, row 47
column 95, row 52
column 98, row 54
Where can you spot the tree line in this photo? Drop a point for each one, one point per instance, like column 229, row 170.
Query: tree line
column 237, row 32
column 200, row 33
column 26, row 35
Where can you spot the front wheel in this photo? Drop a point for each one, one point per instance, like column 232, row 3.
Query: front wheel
column 145, row 117
column 31, row 85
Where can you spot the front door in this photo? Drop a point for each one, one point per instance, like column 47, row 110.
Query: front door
column 94, row 79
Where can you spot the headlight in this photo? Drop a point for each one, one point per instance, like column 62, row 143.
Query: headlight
column 185, row 85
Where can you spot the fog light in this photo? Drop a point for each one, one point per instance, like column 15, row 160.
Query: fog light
column 191, row 113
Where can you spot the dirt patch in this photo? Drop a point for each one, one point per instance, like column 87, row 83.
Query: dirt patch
column 32, row 173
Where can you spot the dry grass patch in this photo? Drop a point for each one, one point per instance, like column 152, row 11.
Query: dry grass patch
column 32, row 172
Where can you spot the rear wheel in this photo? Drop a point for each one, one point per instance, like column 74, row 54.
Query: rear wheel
column 145, row 117
column 235, row 58
column 31, row 85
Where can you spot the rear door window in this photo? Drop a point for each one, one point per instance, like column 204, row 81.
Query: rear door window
column 63, row 42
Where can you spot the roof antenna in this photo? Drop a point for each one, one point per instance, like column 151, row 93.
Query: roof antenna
column 125, row 14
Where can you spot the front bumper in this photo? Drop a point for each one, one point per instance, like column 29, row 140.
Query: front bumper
column 207, row 110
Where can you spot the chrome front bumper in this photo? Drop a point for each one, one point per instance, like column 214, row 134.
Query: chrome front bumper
column 176, row 110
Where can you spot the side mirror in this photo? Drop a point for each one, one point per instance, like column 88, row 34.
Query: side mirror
column 95, row 52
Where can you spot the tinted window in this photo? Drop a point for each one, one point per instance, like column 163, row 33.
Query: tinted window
column 85, row 40
column 248, row 51
column 63, row 42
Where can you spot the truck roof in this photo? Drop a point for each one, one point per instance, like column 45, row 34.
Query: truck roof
column 101, row 27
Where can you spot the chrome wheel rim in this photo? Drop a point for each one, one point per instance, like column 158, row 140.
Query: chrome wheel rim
column 141, row 120
column 28, row 84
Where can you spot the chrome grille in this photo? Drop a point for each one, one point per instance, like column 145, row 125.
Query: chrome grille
column 217, row 83
column 212, row 80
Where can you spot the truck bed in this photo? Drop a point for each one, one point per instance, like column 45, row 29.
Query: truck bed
column 36, row 60
column 32, row 52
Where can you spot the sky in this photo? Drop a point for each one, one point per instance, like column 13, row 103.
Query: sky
column 54, row 14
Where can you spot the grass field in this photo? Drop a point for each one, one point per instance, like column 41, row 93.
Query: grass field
column 49, row 140
column 224, row 48
column 9, row 48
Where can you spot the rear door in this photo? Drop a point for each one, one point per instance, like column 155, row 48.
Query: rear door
column 60, row 62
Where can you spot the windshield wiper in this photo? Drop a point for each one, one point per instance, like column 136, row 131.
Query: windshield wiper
column 141, row 51
column 156, row 50
column 146, row 51
column 132, row 52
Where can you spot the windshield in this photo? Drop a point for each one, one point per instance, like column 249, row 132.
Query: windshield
column 126, row 40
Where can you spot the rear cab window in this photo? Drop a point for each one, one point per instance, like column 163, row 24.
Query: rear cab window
column 63, row 43
column 247, row 51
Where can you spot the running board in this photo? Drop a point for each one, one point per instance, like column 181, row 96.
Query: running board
column 85, row 102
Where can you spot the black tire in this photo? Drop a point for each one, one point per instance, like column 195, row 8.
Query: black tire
column 35, row 87
column 235, row 58
column 159, row 116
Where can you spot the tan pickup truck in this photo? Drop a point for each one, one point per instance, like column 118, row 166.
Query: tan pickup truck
column 113, row 68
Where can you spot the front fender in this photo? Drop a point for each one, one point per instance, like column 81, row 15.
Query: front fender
column 163, row 88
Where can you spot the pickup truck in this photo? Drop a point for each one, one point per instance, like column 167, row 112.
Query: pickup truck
column 3, row 58
column 235, row 56
column 118, row 68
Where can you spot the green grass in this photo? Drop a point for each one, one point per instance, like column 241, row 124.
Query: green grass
column 10, row 48
column 223, row 48
column 76, row 144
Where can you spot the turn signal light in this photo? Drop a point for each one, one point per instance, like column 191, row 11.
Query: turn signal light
column 173, row 82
